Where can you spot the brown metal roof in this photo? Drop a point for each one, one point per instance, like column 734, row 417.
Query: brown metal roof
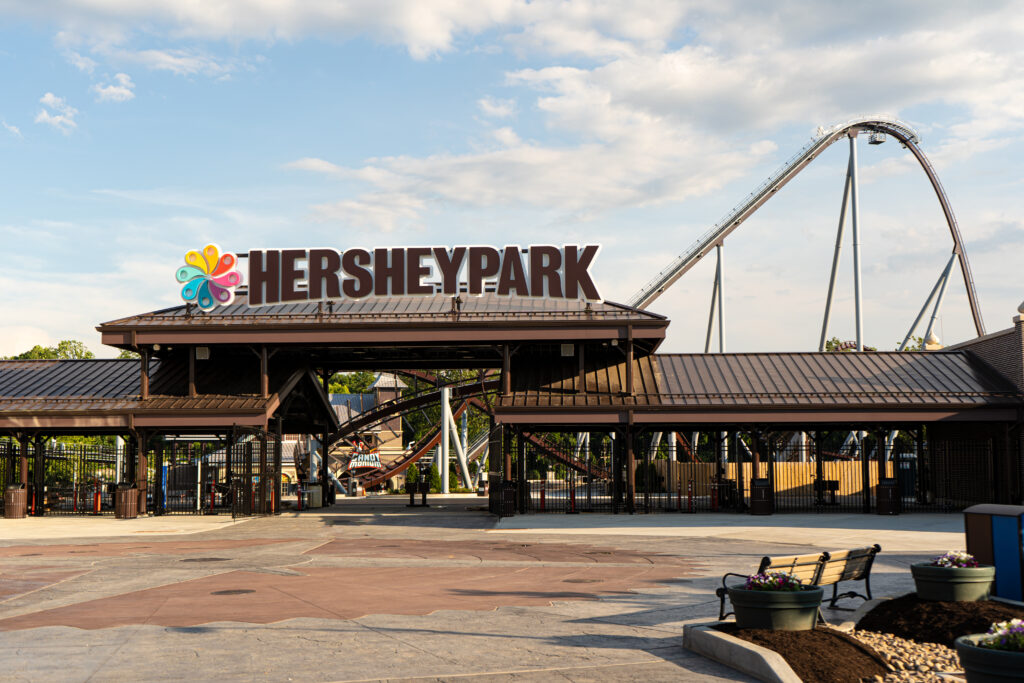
column 830, row 379
column 407, row 309
column 396, row 321
column 759, row 386
column 101, row 394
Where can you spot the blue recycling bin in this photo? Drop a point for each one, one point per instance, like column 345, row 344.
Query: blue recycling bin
column 994, row 536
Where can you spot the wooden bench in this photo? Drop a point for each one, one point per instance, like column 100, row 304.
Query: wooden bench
column 822, row 569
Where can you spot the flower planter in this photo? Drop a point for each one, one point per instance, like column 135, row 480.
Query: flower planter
column 776, row 610
column 985, row 665
column 952, row 584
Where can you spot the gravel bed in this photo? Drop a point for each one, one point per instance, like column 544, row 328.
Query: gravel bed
column 917, row 662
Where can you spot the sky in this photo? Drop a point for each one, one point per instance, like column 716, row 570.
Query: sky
column 136, row 130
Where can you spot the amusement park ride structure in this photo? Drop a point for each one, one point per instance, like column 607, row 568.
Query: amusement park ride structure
column 877, row 128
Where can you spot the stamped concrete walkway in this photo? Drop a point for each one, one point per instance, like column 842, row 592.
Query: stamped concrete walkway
column 369, row 590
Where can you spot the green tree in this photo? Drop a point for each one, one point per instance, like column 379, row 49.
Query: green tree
column 836, row 345
column 412, row 474
column 435, row 479
column 352, row 382
column 128, row 354
column 66, row 349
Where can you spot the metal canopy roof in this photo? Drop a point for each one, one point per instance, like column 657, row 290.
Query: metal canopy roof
column 790, row 387
column 104, row 395
column 439, row 320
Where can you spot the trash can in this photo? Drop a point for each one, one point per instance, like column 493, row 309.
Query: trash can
column 15, row 502
column 887, row 495
column 994, row 537
column 126, row 502
column 761, row 497
column 315, row 496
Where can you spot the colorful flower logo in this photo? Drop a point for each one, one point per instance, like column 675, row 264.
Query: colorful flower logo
column 209, row 277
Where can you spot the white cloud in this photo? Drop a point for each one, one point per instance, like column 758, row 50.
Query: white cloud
column 12, row 129
column 311, row 164
column 121, row 90
column 382, row 211
column 80, row 62
column 57, row 113
column 499, row 109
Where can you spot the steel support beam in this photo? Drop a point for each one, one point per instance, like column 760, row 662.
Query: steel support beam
column 855, row 220
column 835, row 258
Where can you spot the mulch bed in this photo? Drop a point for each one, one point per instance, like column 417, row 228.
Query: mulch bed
column 927, row 621
column 818, row 655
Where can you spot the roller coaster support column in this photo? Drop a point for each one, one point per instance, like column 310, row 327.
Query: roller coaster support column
column 835, row 257
column 940, row 289
column 716, row 305
column 855, row 220
column 446, row 438
column 460, row 445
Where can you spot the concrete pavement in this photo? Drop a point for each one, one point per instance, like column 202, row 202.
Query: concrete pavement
column 371, row 590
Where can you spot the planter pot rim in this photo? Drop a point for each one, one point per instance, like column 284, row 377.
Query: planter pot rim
column 929, row 565
column 806, row 589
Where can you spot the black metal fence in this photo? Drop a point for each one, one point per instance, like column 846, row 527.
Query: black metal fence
column 183, row 477
column 844, row 472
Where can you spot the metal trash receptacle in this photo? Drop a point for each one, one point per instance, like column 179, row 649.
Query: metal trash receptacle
column 15, row 502
column 761, row 502
column 887, row 495
column 314, row 496
column 126, row 502
column 994, row 537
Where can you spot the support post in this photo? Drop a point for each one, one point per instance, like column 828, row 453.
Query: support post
column 629, row 361
column 721, row 306
column 939, row 284
column 144, row 373
column 446, row 437
column 192, row 372
column 672, row 454
column 39, row 472
column 630, row 471
column 854, row 212
column 264, row 373
column 835, row 259
column 23, row 460
column 506, row 370
column 524, row 485
column 819, row 468
column 506, row 453
column 865, row 474
column 141, row 470
column 277, row 465
column 938, row 305
column 261, row 498
column 158, row 478
column 711, row 312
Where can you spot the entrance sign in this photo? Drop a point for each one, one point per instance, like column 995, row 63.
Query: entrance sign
column 209, row 278
column 281, row 276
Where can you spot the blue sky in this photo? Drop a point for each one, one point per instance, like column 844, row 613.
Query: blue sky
column 136, row 130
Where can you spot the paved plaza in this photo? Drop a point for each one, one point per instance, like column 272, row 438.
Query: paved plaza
column 371, row 590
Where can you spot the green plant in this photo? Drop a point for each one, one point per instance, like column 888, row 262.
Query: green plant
column 435, row 479
column 411, row 475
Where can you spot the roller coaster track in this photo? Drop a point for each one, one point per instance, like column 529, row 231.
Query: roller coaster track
column 387, row 410
column 718, row 232
column 469, row 393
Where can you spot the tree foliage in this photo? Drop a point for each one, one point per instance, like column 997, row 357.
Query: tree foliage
column 64, row 350
column 352, row 382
